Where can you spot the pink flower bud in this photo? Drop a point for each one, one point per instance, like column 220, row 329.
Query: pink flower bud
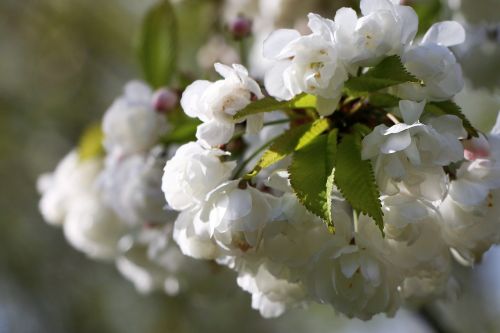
column 165, row 100
column 476, row 148
column 240, row 27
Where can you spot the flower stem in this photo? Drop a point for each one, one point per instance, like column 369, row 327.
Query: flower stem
column 243, row 52
column 277, row 122
column 242, row 132
column 393, row 118
column 355, row 217
column 431, row 318
column 251, row 157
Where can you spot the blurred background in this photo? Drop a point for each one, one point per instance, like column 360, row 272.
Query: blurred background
column 62, row 62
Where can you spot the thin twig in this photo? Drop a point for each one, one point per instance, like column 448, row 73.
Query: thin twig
column 431, row 318
column 251, row 157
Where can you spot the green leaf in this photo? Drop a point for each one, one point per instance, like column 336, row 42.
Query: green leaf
column 90, row 144
column 182, row 128
column 290, row 141
column 383, row 100
column 331, row 154
column 450, row 107
column 309, row 175
column 429, row 12
column 355, row 179
column 361, row 130
column 182, row 132
column 158, row 44
column 303, row 101
column 315, row 128
column 268, row 104
column 389, row 72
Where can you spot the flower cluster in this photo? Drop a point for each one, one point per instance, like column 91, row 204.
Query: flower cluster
column 284, row 254
column 110, row 204
column 348, row 177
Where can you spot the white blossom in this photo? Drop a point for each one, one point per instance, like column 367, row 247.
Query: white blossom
column 131, row 186
column 192, row 173
column 352, row 273
column 433, row 63
column 386, row 28
column 235, row 215
column 93, row 228
column 270, row 295
column 295, row 234
column 417, row 248
column 401, row 150
column 131, row 124
column 216, row 50
column 215, row 103
column 71, row 179
column 152, row 261
column 471, row 230
column 403, row 217
column 307, row 64
column 194, row 239
column 470, row 212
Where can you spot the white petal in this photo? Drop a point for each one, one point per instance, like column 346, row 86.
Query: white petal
column 279, row 180
column 240, row 204
column 371, row 142
column 191, row 97
column 398, row 128
column 215, row 132
column 277, row 40
column 394, row 167
column 274, row 81
column 348, row 265
column 326, row 106
column 449, row 124
column 410, row 23
column 396, row 142
column 370, row 270
column 137, row 91
column 413, row 154
column 447, row 33
column 414, row 211
column 411, row 111
column 254, row 124
column 468, row 193
column 434, row 186
column 346, row 19
column 321, row 26
column 496, row 129
column 224, row 70
column 241, row 70
column 370, row 6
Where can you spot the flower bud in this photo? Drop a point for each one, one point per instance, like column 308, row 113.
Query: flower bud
column 476, row 148
column 240, row 27
column 165, row 100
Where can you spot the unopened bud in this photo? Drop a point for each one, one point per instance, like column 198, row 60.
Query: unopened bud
column 240, row 27
column 476, row 148
column 165, row 100
column 243, row 184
